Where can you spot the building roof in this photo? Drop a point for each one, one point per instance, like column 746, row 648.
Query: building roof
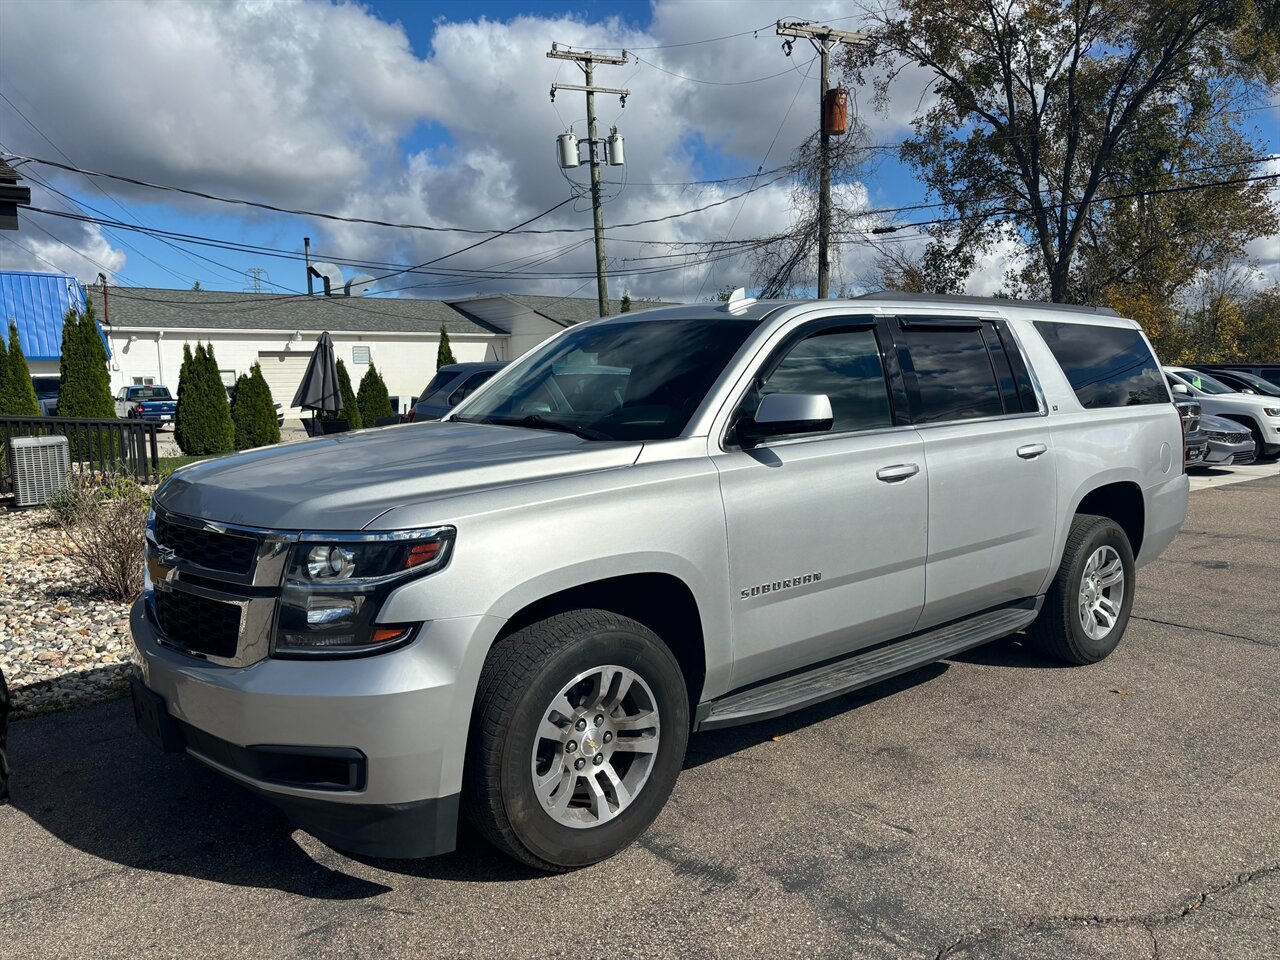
column 157, row 308
column 499, row 310
column 37, row 303
column 571, row 310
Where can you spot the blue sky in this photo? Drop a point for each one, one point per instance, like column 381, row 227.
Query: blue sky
column 433, row 113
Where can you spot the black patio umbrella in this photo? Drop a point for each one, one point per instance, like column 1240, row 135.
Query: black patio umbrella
column 318, row 391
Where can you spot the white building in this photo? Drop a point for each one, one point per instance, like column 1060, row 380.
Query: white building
column 146, row 329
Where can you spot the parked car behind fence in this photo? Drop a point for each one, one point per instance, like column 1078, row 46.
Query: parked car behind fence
column 152, row 402
column 47, row 390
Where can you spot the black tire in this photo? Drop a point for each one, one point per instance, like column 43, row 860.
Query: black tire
column 523, row 673
column 1058, row 631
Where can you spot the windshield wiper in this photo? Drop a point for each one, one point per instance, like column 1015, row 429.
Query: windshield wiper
column 536, row 421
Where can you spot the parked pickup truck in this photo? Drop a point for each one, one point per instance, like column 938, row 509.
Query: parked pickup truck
column 521, row 612
column 146, row 403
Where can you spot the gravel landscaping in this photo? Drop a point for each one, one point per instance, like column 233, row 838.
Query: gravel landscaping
column 61, row 644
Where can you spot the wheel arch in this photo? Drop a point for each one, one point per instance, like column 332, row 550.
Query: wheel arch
column 661, row 601
column 1121, row 501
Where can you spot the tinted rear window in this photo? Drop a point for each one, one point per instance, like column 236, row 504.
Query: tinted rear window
column 1106, row 366
column 149, row 393
column 954, row 376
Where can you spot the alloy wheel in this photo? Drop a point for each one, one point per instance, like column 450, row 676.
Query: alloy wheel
column 1101, row 592
column 595, row 746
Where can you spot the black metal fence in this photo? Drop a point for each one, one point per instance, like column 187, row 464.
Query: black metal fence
column 97, row 446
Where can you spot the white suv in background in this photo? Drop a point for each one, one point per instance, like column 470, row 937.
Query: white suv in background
column 1261, row 414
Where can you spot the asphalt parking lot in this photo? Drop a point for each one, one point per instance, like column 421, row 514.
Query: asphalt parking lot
column 993, row 806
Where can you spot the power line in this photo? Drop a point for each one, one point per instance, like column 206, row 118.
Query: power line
column 21, row 246
column 47, row 139
column 80, row 253
column 777, row 133
column 725, row 83
column 372, row 222
column 1181, row 188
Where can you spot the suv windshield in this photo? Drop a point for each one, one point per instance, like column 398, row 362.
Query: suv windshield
column 1203, row 382
column 1257, row 384
column 623, row 380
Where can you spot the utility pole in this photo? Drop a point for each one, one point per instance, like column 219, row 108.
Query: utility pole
column 306, row 255
column 587, row 60
column 824, row 40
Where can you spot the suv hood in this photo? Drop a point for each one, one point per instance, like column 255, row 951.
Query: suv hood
column 345, row 481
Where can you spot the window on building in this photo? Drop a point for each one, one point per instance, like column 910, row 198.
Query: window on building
column 1106, row 366
column 360, row 354
column 953, row 372
column 144, row 381
column 845, row 366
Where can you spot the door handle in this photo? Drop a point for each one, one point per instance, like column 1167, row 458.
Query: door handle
column 899, row 471
column 1031, row 450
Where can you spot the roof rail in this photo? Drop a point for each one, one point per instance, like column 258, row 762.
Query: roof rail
column 986, row 301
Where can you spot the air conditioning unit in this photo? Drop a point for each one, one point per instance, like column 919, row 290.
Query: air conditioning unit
column 39, row 466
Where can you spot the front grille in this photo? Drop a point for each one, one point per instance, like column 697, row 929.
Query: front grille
column 1229, row 437
column 196, row 624
column 210, row 549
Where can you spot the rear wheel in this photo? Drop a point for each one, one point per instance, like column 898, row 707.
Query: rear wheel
column 579, row 732
column 1087, row 606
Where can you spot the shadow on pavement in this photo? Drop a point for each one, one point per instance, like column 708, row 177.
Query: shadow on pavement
column 90, row 779
column 714, row 744
column 1011, row 651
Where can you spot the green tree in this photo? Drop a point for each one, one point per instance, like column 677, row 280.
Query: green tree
column 625, row 305
column 85, row 390
column 222, row 430
column 18, row 390
column 350, row 410
column 204, row 416
column 5, row 399
column 253, row 411
column 372, row 397
column 182, row 415
column 196, row 287
column 1050, row 117
column 444, row 355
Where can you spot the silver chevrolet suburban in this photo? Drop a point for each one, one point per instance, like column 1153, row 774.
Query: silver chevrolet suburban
column 651, row 524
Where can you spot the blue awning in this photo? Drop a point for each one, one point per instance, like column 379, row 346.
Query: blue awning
column 37, row 302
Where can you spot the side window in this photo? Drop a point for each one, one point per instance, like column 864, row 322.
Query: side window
column 1106, row 366
column 844, row 365
column 469, row 387
column 954, row 376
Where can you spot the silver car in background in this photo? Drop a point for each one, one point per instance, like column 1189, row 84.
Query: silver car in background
column 1230, row 443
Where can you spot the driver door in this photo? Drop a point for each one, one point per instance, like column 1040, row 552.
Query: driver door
column 826, row 532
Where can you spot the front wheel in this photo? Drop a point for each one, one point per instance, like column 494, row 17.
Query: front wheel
column 1086, row 609
column 578, row 734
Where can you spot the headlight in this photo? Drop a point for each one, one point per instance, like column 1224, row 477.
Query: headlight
column 1271, row 411
column 335, row 584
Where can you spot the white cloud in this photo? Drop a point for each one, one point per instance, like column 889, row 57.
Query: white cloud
column 309, row 104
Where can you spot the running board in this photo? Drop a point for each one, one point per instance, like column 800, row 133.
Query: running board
column 801, row 690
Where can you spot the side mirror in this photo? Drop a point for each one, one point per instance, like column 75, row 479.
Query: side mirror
column 782, row 414
column 1247, row 390
column 1181, row 389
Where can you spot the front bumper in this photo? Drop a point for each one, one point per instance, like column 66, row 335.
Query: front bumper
column 404, row 714
column 1222, row 454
